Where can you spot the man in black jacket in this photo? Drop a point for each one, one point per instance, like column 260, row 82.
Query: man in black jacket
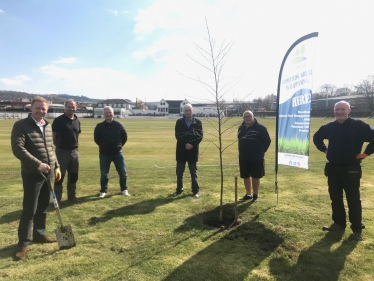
column 253, row 142
column 346, row 137
column 110, row 135
column 189, row 133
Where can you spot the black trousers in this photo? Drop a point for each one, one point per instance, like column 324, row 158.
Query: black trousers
column 36, row 197
column 181, row 165
column 347, row 178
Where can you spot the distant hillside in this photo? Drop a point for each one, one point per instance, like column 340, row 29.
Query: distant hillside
column 14, row 95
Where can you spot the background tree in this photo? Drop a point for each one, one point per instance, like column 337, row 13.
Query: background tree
column 366, row 88
column 343, row 91
column 258, row 103
column 318, row 95
column 238, row 107
column 139, row 104
column 266, row 102
column 328, row 91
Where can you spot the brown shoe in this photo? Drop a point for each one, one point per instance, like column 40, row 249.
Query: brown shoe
column 21, row 253
column 74, row 200
column 43, row 239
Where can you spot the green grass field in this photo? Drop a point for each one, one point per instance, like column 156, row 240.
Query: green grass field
column 153, row 236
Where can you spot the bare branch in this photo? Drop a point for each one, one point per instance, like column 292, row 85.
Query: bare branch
column 213, row 61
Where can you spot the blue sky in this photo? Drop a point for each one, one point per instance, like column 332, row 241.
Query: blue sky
column 138, row 49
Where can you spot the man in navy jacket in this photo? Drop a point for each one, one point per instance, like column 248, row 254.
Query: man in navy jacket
column 189, row 133
column 253, row 142
column 110, row 135
column 346, row 137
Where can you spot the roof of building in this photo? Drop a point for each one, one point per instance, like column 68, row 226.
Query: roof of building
column 174, row 103
column 115, row 101
column 344, row 97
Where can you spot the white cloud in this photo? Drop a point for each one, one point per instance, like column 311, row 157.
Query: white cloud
column 93, row 82
column 103, row 83
column 1, row 11
column 10, row 82
column 116, row 12
column 15, row 81
column 262, row 32
column 171, row 15
column 22, row 78
column 165, row 32
column 162, row 48
column 65, row 60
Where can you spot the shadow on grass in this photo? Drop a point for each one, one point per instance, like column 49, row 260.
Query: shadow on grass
column 210, row 218
column 84, row 199
column 10, row 217
column 140, row 208
column 233, row 256
column 8, row 251
column 318, row 262
column 15, row 215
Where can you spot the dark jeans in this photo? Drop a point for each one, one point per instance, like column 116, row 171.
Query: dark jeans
column 69, row 162
column 193, row 172
column 119, row 163
column 35, row 203
column 345, row 178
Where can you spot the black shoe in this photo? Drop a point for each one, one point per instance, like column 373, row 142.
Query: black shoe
column 333, row 227
column 247, row 197
column 357, row 236
column 178, row 193
column 74, row 199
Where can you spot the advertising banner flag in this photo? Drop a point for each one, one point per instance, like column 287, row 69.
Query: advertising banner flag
column 294, row 103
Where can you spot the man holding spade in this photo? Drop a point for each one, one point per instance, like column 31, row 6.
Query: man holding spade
column 32, row 144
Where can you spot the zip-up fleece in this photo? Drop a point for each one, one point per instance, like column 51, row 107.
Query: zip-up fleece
column 30, row 147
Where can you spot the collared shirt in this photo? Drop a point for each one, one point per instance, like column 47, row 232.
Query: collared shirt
column 188, row 122
column 67, row 131
column 40, row 124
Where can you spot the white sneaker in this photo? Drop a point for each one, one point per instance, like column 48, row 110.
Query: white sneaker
column 197, row 195
column 125, row 192
column 102, row 194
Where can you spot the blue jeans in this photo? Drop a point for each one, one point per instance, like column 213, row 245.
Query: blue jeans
column 36, row 196
column 119, row 162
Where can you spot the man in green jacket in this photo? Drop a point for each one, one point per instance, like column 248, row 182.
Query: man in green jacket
column 32, row 144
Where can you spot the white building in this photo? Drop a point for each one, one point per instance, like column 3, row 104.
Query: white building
column 167, row 107
column 121, row 108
